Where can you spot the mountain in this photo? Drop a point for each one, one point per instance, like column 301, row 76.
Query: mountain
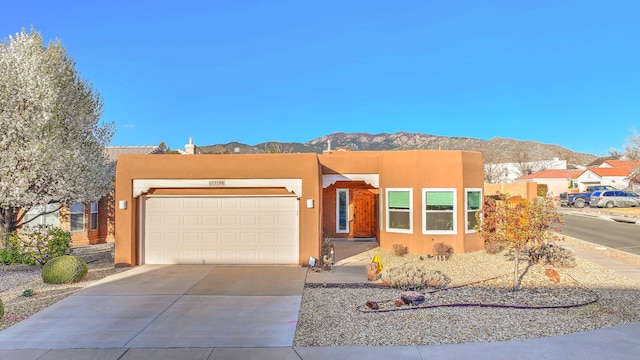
column 496, row 150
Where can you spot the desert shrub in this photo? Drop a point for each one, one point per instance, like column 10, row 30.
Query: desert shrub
column 400, row 250
column 414, row 277
column 493, row 247
column 542, row 190
column 65, row 269
column 42, row 243
column 442, row 251
column 1, row 309
column 325, row 251
column 551, row 254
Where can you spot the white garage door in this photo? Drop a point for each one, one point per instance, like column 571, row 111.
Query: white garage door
column 220, row 230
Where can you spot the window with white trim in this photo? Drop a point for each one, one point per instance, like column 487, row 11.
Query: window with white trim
column 439, row 211
column 77, row 217
column 399, row 210
column 93, row 225
column 342, row 210
column 473, row 205
column 40, row 216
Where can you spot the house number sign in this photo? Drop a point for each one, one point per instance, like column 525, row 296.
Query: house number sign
column 216, row 183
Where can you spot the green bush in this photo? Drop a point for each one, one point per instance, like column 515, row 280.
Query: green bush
column 14, row 252
column 64, row 270
column 36, row 245
column 1, row 309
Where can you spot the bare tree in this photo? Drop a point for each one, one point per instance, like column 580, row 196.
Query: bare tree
column 632, row 148
column 524, row 165
column 615, row 154
column 281, row 148
column 494, row 170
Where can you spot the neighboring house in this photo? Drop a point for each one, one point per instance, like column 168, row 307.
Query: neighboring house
column 599, row 161
column 82, row 220
column 634, row 180
column 277, row 208
column 557, row 181
column 91, row 223
column 604, row 172
column 615, row 177
column 508, row 172
column 630, row 165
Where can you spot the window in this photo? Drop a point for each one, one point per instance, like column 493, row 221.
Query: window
column 399, row 203
column 473, row 203
column 94, row 216
column 438, row 216
column 51, row 219
column 77, row 217
column 342, row 210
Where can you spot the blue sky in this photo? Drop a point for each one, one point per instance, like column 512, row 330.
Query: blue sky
column 556, row 72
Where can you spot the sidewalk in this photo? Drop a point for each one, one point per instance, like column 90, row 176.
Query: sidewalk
column 618, row 342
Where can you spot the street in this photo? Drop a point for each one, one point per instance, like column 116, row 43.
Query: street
column 605, row 232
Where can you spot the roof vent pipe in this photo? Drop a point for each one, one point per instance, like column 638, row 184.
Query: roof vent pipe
column 190, row 148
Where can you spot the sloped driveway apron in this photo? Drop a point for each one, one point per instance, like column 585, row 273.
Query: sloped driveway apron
column 171, row 306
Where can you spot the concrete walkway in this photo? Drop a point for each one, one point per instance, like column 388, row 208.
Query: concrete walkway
column 172, row 324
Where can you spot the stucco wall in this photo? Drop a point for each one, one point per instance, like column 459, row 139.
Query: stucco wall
column 527, row 190
column 228, row 166
column 416, row 169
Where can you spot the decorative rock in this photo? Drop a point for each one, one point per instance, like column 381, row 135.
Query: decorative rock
column 399, row 303
column 552, row 275
column 412, row 297
column 372, row 272
column 372, row 305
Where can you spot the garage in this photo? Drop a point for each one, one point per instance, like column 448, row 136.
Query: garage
column 220, row 229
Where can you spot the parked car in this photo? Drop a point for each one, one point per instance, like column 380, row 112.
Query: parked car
column 614, row 198
column 579, row 200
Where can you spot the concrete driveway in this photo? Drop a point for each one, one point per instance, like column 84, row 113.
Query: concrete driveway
column 171, row 306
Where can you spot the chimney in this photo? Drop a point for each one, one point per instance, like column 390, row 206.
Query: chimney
column 328, row 146
column 190, row 148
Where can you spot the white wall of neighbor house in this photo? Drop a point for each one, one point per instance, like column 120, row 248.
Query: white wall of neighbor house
column 555, row 187
column 508, row 172
column 589, row 178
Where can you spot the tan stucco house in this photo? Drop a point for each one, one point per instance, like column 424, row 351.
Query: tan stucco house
column 276, row 208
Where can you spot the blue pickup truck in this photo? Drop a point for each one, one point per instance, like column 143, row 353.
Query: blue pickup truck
column 580, row 200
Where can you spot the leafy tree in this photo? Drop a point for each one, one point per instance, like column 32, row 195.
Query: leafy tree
column 518, row 225
column 166, row 149
column 52, row 140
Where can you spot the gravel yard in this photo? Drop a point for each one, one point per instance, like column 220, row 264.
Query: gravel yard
column 15, row 279
column 337, row 315
column 334, row 314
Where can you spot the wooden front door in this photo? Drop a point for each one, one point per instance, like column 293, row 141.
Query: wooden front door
column 364, row 213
